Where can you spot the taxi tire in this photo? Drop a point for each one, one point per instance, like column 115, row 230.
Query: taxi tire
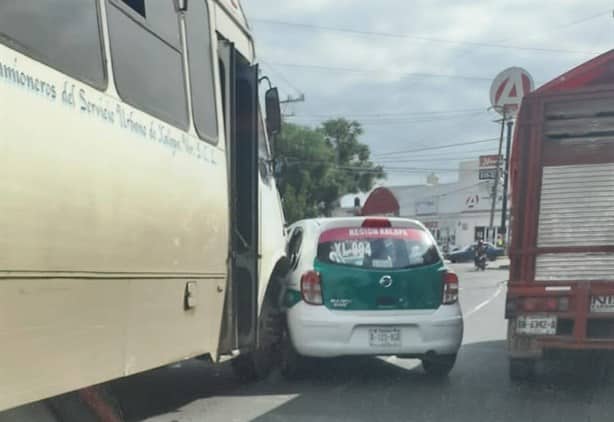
column 257, row 364
column 521, row 369
column 292, row 363
column 438, row 366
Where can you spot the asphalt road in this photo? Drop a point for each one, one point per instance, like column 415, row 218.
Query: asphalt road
column 378, row 389
column 387, row 389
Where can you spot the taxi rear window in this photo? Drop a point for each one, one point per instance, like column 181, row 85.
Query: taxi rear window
column 393, row 248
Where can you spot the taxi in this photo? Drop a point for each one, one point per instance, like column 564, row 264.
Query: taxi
column 369, row 286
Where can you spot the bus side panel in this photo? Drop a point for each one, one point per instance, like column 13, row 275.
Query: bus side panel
column 84, row 193
column 58, row 335
column 175, row 333
column 106, row 214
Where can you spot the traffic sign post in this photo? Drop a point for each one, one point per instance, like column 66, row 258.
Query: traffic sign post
column 506, row 93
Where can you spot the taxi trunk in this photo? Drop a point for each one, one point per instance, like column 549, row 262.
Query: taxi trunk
column 381, row 289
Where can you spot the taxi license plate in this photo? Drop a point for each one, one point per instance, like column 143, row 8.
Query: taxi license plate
column 384, row 337
column 602, row 303
column 536, row 324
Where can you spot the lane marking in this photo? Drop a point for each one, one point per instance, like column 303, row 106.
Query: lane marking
column 486, row 302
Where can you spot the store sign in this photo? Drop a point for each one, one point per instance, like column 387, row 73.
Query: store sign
column 472, row 201
column 487, row 174
column 488, row 166
column 508, row 89
column 489, row 161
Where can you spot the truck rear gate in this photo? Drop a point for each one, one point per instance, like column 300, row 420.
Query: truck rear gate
column 561, row 290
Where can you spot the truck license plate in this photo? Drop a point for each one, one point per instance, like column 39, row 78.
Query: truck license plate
column 536, row 324
column 384, row 337
column 602, row 303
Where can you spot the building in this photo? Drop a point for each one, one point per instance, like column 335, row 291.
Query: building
column 457, row 213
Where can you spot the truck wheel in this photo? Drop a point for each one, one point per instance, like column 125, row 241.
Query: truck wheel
column 438, row 366
column 292, row 362
column 521, row 369
column 258, row 364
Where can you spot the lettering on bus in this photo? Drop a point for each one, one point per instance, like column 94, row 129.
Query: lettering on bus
column 15, row 76
column 107, row 110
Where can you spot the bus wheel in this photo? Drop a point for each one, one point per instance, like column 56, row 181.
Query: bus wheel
column 258, row 364
column 521, row 369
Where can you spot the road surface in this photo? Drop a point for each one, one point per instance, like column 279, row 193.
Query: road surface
column 378, row 389
column 387, row 389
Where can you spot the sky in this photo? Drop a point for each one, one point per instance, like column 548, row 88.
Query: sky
column 417, row 73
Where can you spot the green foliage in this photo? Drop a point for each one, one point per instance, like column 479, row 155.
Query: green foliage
column 317, row 166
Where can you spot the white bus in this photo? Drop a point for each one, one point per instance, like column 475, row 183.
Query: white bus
column 140, row 223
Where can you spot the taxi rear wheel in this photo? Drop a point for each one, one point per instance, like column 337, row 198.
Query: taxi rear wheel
column 292, row 362
column 438, row 365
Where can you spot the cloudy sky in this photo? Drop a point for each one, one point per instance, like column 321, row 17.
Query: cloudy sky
column 417, row 73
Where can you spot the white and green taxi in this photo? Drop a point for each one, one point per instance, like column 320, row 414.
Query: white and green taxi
column 369, row 286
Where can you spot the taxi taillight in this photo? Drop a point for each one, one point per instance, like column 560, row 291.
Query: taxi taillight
column 450, row 288
column 311, row 288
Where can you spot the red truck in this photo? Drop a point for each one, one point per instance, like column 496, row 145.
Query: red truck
column 561, row 290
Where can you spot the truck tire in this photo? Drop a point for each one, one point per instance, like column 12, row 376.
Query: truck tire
column 438, row 366
column 257, row 364
column 521, row 369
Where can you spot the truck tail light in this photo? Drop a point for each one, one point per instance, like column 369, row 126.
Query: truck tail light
column 311, row 289
column 376, row 223
column 450, row 288
column 516, row 305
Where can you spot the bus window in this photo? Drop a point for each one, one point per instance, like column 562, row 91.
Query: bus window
column 64, row 34
column 201, row 70
column 147, row 59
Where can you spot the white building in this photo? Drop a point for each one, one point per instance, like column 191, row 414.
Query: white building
column 457, row 213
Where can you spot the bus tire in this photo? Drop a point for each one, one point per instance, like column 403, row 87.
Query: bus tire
column 521, row 369
column 257, row 364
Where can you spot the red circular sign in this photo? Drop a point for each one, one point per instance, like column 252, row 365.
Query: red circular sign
column 508, row 88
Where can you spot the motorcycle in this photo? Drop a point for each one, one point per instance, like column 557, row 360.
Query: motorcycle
column 480, row 262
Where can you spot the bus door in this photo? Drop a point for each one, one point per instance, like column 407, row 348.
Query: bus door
column 239, row 81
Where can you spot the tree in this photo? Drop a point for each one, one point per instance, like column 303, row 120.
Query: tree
column 317, row 166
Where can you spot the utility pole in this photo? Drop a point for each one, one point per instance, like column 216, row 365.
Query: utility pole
column 292, row 100
column 510, row 124
column 496, row 183
column 289, row 99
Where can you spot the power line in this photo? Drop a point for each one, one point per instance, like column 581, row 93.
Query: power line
column 281, row 76
column 555, row 29
column 377, row 169
column 455, row 158
column 481, row 141
column 399, row 113
column 356, row 70
column 392, row 120
column 575, row 22
column 466, row 188
column 417, row 37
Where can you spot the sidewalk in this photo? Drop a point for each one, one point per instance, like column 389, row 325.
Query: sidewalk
column 502, row 263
